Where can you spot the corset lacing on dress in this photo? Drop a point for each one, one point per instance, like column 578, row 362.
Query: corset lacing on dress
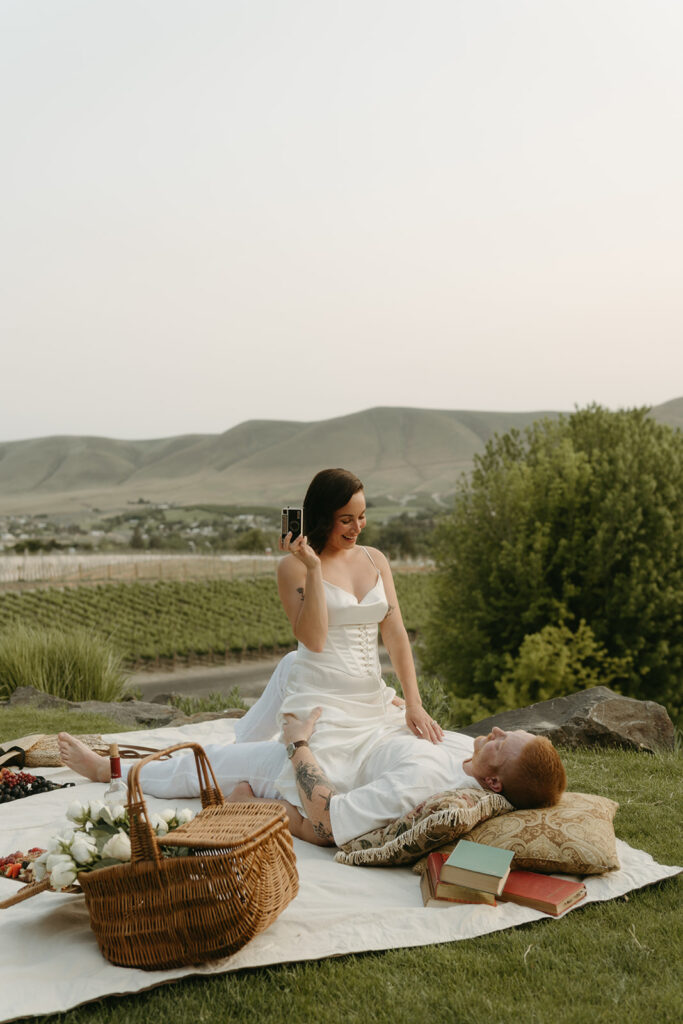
column 367, row 646
column 345, row 679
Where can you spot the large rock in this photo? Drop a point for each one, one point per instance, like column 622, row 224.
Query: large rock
column 594, row 717
column 130, row 713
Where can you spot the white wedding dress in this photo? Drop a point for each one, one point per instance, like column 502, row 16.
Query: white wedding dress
column 345, row 679
column 377, row 767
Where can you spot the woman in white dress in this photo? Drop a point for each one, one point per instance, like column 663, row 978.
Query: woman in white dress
column 335, row 594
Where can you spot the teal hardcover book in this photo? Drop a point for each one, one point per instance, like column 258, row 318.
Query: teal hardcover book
column 478, row 866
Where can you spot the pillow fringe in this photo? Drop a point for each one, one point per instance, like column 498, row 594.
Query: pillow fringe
column 463, row 820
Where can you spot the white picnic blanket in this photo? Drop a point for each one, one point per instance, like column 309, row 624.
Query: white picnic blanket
column 339, row 909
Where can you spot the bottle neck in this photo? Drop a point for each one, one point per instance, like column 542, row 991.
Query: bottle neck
column 115, row 768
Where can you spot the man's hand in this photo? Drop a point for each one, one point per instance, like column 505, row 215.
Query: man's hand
column 295, row 729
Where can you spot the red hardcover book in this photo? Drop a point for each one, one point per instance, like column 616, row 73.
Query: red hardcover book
column 542, row 892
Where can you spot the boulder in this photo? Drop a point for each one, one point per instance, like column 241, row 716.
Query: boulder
column 28, row 695
column 130, row 713
column 165, row 698
column 594, row 717
column 133, row 712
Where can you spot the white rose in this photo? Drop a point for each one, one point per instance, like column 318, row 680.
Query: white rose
column 54, row 859
column 39, row 867
column 94, row 809
column 77, row 812
column 185, row 815
column 168, row 814
column 118, row 813
column 83, row 849
column 58, row 843
column 106, row 815
column 158, row 824
column 118, row 847
column 63, row 874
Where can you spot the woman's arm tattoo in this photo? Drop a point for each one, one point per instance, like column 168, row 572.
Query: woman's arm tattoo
column 300, row 590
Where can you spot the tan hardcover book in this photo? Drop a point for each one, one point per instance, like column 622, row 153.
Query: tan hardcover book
column 451, row 891
column 432, row 891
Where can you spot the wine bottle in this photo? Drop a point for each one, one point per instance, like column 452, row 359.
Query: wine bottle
column 116, row 792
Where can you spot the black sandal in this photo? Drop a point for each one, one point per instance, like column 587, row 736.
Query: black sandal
column 13, row 755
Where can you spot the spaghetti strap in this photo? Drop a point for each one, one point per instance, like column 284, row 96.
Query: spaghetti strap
column 369, row 556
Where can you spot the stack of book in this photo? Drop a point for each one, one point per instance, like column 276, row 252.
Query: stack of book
column 475, row 873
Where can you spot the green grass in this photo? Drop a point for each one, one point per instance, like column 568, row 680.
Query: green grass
column 71, row 663
column 25, row 721
column 19, row 721
column 602, row 963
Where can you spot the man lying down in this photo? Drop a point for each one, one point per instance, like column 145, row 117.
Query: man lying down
column 396, row 772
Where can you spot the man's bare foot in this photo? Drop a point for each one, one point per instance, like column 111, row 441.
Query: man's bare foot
column 241, row 794
column 82, row 759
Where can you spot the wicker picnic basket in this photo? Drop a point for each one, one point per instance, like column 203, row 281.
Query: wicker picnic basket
column 158, row 912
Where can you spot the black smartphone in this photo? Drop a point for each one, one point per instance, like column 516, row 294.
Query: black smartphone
column 292, row 522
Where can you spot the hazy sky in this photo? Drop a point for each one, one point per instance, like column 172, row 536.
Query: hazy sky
column 215, row 210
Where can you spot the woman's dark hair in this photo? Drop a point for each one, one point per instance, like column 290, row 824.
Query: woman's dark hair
column 328, row 491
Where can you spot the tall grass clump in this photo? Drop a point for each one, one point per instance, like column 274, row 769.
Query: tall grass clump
column 74, row 664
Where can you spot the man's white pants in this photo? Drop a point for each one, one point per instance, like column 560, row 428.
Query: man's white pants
column 259, row 764
column 250, row 759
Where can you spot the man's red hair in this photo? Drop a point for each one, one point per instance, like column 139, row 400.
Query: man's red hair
column 537, row 778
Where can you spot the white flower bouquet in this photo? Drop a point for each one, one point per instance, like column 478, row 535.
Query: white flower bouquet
column 101, row 840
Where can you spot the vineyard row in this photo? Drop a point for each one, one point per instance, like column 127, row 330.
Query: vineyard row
column 149, row 622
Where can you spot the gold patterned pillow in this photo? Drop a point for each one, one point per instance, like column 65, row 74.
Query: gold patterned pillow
column 576, row 837
column 438, row 820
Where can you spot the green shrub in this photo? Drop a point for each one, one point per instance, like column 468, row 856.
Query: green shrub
column 73, row 664
column 214, row 702
column 555, row 662
column 576, row 519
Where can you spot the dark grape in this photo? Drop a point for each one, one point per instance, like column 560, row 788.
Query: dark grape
column 15, row 785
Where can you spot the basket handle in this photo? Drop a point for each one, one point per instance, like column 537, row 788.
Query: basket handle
column 143, row 839
column 25, row 893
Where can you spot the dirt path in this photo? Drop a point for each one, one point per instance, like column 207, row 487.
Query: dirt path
column 250, row 676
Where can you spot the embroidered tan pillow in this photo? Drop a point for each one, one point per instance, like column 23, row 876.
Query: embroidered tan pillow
column 575, row 837
column 438, row 820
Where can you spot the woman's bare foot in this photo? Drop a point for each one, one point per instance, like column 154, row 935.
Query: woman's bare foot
column 82, row 759
column 241, row 794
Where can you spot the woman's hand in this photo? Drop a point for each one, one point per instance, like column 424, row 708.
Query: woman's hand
column 301, row 550
column 301, row 588
column 422, row 724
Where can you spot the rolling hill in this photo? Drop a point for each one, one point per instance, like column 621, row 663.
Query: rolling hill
column 395, row 451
